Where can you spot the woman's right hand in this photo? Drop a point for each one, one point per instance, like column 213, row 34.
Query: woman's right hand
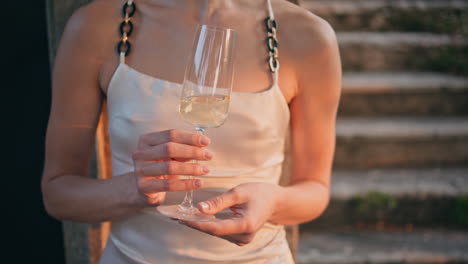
column 161, row 157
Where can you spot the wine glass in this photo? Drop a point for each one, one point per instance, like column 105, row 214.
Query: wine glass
column 205, row 97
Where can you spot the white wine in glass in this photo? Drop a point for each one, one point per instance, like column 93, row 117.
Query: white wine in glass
column 204, row 101
column 205, row 110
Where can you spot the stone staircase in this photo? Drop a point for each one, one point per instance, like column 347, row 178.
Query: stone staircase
column 400, row 178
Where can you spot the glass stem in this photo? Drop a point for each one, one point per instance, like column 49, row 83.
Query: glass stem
column 187, row 204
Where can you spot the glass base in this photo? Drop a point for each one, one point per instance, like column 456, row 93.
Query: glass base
column 187, row 214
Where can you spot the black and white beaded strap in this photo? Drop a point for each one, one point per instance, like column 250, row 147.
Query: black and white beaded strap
column 272, row 40
column 126, row 29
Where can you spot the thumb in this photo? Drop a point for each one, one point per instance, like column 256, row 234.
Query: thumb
column 221, row 202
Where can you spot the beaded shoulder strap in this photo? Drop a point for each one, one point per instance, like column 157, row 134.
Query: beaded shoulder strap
column 125, row 30
column 272, row 40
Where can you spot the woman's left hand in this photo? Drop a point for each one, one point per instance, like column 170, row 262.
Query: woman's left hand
column 253, row 204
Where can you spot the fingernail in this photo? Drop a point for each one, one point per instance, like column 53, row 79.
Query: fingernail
column 205, row 169
column 204, row 205
column 198, row 183
column 208, row 154
column 205, row 141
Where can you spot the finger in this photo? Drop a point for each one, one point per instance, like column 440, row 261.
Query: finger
column 233, row 239
column 221, row 202
column 219, row 228
column 171, row 185
column 171, row 167
column 173, row 135
column 240, row 239
column 171, row 150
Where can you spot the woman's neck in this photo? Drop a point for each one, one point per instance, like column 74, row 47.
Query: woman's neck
column 207, row 7
column 203, row 10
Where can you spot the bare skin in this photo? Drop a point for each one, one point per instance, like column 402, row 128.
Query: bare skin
column 310, row 80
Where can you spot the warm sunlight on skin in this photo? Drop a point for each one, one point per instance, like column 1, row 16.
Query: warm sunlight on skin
column 309, row 79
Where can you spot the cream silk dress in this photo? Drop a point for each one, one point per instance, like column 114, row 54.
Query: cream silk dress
column 249, row 147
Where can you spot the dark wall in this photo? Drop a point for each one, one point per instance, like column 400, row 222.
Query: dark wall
column 33, row 236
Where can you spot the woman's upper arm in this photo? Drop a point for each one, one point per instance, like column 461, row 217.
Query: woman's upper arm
column 314, row 108
column 76, row 97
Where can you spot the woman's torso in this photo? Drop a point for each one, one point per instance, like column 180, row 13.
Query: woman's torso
column 247, row 148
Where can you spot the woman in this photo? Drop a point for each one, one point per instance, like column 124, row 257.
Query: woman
column 142, row 88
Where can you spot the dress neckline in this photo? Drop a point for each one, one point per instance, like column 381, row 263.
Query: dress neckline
column 156, row 79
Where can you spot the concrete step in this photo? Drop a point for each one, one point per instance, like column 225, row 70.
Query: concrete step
column 404, row 197
column 376, row 52
column 442, row 16
column 403, row 94
column 401, row 142
column 360, row 246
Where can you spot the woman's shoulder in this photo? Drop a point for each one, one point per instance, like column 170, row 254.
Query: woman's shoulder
column 91, row 30
column 303, row 32
column 309, row 44
column 95, row 22
column 95, row 15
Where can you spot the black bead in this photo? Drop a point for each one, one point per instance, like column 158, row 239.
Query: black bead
column 132, row 10
column 269, row 26
column 127, row 47
column 272, row 43
column 130, row 28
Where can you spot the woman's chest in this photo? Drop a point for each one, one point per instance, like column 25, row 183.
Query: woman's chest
column 161, row 50
column 139, row 104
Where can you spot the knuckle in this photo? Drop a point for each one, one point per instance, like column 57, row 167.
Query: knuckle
column 235, row 194
column 170, row 149
column 164, row 187
column 171, row 135
column 171, row 167
column 169, row 185
column 249, row 226
column 140, row 170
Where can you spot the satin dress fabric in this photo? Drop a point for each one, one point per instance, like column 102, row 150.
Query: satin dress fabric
column 248, row 147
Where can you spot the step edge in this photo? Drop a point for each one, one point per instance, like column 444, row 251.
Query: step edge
column 397, row 39
column 419, row 183
column 401, row 127
column 340, row 7
column 401, row 81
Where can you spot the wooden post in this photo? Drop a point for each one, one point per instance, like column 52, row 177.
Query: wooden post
column 84, row 243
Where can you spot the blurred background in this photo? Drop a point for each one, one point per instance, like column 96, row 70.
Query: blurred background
column 400, row 178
